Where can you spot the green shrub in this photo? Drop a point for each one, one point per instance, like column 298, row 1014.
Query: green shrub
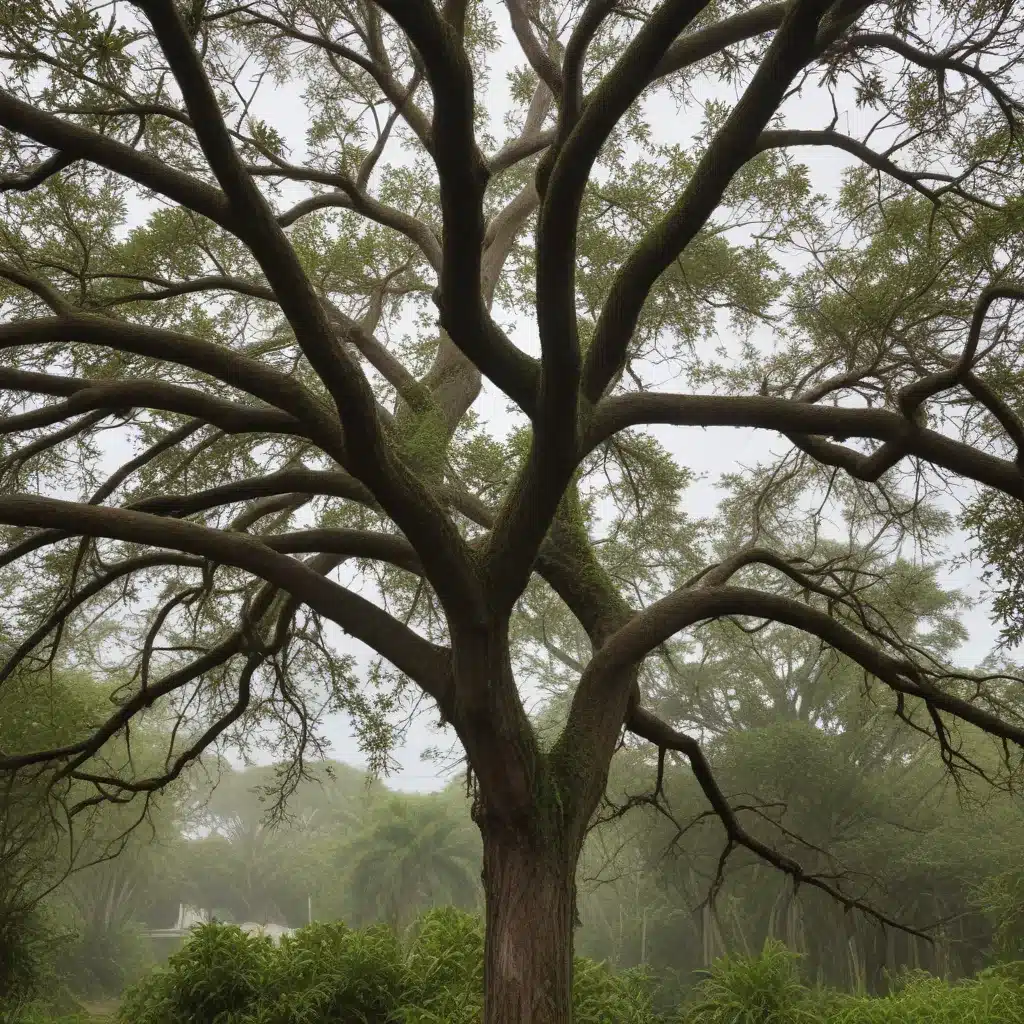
column 326, row 972
column 218, row 975
column 764, row 989
column 323, row 973
column 996, row 996
column 153, row 1000
column 329, row 974
column 603, row 996
column 767, row 989
column 444, row 969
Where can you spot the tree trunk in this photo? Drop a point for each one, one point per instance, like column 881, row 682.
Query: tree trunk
column 532, row 814
column 529, row 886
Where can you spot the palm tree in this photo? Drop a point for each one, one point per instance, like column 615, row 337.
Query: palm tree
column 419, row 852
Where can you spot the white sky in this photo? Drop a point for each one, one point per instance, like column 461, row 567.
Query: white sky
column 707, row 453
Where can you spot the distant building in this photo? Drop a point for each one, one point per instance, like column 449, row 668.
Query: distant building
column 189, row 917
column 274, row 932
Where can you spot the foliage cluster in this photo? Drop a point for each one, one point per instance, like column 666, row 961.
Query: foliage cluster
column 71, row 891
column 25, row 960
column 328, row 972
column 769, row 989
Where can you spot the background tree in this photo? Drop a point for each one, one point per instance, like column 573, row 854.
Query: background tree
column 308, row 451
column 345, row 848
column 259, row 862
column 417, row 853
column 828, row 774
column 74, row 873
column 35, row 856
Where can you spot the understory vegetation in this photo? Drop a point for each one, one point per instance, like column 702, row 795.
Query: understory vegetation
column 649, row 946
column 434, row 973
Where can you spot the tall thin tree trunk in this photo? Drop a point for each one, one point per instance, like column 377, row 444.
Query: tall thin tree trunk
column 708, row 935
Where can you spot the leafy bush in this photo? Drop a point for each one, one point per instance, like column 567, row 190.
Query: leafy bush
column 765, row 989
column 223, row 976
column 996, row 996
column 329, row 973
column 444, row 969
column 603, row 996
column 217, row 976
column 153, row 1000
column 326, row 972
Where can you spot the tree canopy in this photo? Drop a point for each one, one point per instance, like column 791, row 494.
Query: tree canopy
column 254, row 372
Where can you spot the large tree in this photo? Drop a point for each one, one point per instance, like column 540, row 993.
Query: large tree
column 296, row 348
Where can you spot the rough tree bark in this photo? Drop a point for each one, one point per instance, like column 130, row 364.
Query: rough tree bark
column 529, row 886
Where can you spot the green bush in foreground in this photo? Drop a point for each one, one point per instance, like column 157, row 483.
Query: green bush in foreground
column 329, row 973
column 444, row 970
column 768, row 989
column 765, row 989
column 996, row 995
